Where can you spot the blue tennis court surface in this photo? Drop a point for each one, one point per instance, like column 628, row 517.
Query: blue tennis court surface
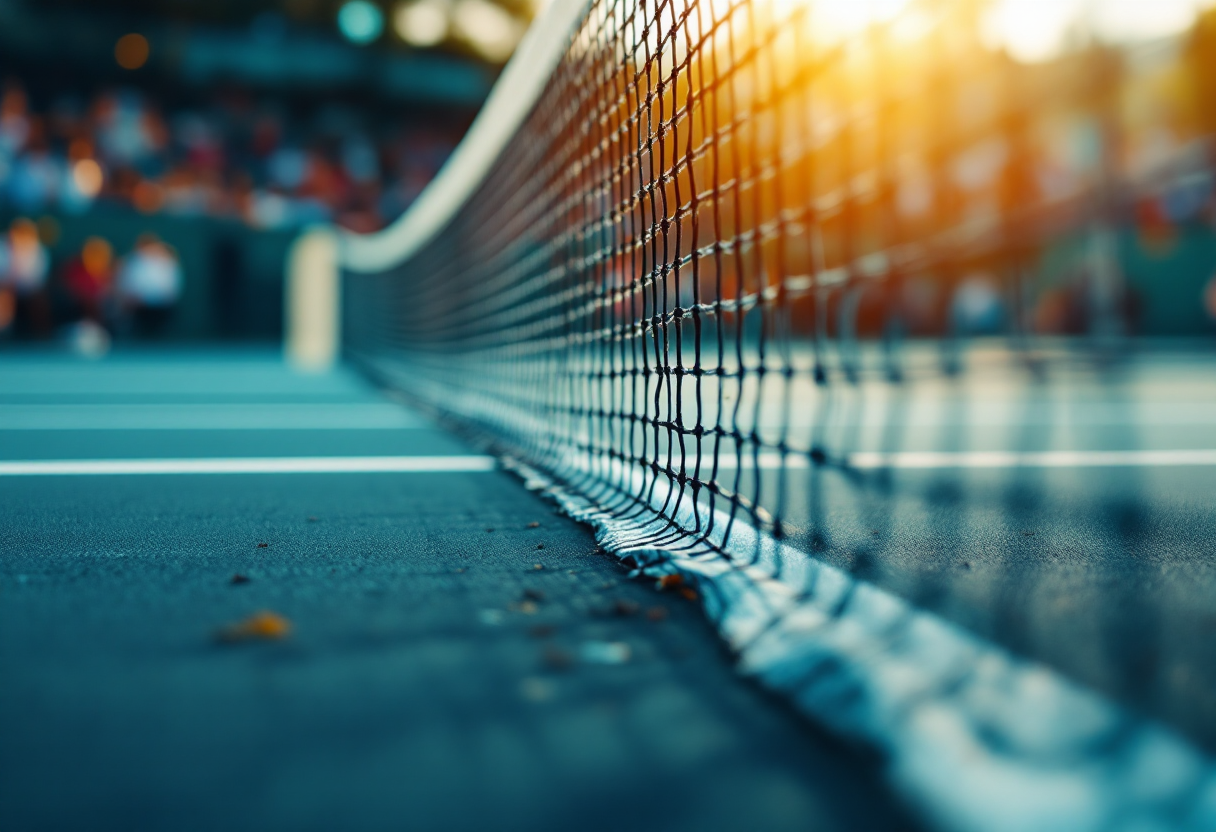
column 433, row 677
column 462, row 656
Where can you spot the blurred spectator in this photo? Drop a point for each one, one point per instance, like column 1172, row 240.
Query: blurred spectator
column 33, row 181
column 88, row 278
column 229, row 157
column 14, row 120
column 149, row 285
column 25, row 266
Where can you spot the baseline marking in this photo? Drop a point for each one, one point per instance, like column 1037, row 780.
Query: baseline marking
column 205, row 416
column 253, row 465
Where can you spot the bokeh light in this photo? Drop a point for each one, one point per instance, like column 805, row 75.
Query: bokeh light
column 1034, row 31
column 87, row 177
column 132, row 51
column 147, row 197
column 97, row 256
column 488, row 28
column 360, row 21
column 422, row 23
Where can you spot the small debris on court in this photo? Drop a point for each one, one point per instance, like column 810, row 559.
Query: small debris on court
column 263, row 545
column 672, row 581
column 538, row 566
column 677, row 583
column 261, row 626
column 604, row 652
column 531, row 594
column 533, row 525
column 238, row 578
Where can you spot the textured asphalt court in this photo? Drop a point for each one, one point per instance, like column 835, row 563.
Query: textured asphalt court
column 434, row 678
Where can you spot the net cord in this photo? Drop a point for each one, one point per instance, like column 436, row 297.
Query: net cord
column 521, row 84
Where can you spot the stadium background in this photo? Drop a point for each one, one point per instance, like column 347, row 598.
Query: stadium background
column 226, row 128
column 191, row 145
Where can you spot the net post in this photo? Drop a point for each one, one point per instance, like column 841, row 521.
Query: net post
column 312, row 314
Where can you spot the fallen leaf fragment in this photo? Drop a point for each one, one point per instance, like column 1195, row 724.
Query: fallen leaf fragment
column 238, row 578
column 263, row 545
column 670, row 581
column 264, row 625
column 534, row 525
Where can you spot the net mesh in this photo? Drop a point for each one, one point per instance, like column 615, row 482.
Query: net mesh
column 733, row 238
column 747, row 258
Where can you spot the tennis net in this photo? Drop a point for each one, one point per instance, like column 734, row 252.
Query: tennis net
column 715, row 227
column 704, row 265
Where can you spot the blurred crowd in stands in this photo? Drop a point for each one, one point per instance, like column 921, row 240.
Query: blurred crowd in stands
column 230, row 156
column 99, row 293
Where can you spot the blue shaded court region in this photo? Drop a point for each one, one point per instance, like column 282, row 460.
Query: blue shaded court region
column 459, row 656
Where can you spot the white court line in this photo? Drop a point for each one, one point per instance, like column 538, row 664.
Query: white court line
column 207, row 416
column 453, row 464
column 870, row 460
column 252, row 465
column 203, row 424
